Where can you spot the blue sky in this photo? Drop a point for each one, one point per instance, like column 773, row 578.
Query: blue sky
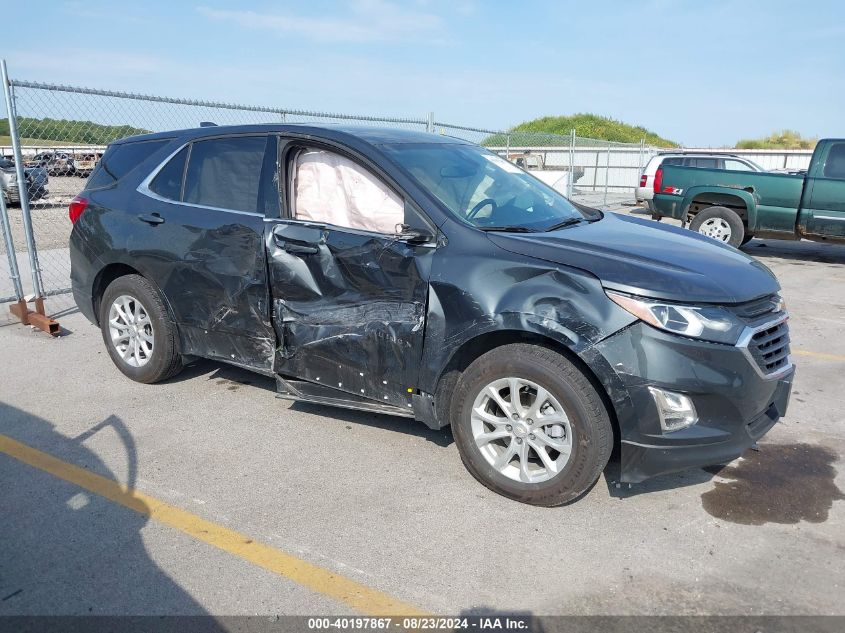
column 701, row 73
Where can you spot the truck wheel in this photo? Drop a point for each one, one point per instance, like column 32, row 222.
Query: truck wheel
column 721, row 224
column 139, row 334
column 529, row 425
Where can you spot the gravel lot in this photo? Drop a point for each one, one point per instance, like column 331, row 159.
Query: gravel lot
column 385, row 502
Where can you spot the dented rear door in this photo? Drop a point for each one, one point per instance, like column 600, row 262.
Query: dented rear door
column 348, row 307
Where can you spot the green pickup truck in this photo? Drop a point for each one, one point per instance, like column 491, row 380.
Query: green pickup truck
column 735, row 206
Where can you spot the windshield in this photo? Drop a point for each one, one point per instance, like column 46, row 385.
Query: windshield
column 483, row 189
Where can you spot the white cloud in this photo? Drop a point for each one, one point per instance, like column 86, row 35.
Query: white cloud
column 367, row 21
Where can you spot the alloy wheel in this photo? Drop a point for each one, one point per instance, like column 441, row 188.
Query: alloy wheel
column 521, row 430
column 131, row 330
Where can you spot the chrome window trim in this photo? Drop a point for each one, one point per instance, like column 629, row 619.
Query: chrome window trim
column 144, row 187
column 745, row 340
column 346, row 229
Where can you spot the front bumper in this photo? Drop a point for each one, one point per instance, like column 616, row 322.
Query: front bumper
column 736, row 403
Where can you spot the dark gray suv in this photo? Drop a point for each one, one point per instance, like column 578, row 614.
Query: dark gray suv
column 421, row 276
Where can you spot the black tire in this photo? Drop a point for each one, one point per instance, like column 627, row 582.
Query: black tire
column 748, row 237
column 165, row 360
column 729, row 217
column 592, row 433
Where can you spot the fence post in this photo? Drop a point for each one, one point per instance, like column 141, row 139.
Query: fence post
column 429, row 123
column 606, row 172
column 14, row 273
column 642, row 154
column 20, row 310
column 508, row 147
column 571, row 184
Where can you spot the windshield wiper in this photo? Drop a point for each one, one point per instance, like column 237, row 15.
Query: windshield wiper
column 565, row 223
column 507, row 229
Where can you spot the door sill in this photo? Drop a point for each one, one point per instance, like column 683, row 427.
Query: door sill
column 303, row 391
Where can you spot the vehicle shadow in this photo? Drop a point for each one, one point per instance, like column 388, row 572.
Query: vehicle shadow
column 799, row 252
column 619, row 490
column 443, row 437
column 67, row 551
column 223, row 374
column 234, row 377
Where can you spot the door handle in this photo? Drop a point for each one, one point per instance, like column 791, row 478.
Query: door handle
column 151, row 218
column 299, row 249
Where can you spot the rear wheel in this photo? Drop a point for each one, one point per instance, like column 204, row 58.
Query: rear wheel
column 529, row 425
column 719, row 223
column 139, row 334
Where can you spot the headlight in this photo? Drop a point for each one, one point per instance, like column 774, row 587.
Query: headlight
column 709, row 323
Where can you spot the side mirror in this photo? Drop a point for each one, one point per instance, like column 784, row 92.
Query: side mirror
column 413, row 236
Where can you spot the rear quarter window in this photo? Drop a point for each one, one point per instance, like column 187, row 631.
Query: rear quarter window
column 168, row 181
column 120, row 159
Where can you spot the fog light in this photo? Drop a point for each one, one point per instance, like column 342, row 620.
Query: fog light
column 676, row 411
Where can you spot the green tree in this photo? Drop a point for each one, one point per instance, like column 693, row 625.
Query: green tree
column 69, row 131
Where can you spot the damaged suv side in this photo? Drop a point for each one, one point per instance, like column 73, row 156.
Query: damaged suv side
column 422, row 276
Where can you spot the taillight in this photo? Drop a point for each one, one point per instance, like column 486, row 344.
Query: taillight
column 77, row 206
column 643, row 180
column 658, row 180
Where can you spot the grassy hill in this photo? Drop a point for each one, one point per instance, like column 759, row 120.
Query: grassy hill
column 66, row 132
column 5, row 139
column 786, row 139
column 585, row 125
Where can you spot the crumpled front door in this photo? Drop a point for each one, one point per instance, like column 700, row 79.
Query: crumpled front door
column 348, row 307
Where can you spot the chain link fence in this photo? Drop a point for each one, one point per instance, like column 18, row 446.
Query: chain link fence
column 63, row 131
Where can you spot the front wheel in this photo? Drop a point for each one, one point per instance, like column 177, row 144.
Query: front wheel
column 139, row 334
column 529, row 425
column 721, row 224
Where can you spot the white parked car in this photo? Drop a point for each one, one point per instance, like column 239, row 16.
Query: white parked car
column 645, row 190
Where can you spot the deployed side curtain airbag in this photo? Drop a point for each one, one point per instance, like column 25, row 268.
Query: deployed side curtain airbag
column 332, row 189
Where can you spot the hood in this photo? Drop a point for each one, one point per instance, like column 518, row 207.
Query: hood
column 646, row 258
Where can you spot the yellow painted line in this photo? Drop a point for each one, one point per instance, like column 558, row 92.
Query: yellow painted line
column 819, row 355
column 359, row 597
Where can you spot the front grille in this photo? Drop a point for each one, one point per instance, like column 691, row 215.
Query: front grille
column 770, row 348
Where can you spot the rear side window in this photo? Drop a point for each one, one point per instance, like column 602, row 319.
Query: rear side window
column 673, row 161
column 120, row 159
column 834, row 166
column 168, row 181
column 225, row 173
column 703, row 163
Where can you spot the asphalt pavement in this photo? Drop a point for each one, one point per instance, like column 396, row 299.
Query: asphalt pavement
column 247, row 504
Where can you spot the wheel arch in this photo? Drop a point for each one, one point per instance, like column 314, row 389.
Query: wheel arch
column 739, row 200
column 113, row 271
column 482, row 343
